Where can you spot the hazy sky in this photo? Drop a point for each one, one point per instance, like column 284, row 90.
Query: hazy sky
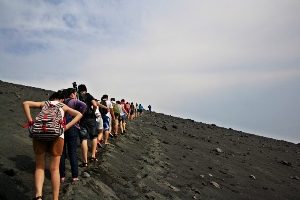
column 232, row 63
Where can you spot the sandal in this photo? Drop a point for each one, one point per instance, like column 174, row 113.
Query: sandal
column 83, row 164
column 94, row 159
column 38, row 197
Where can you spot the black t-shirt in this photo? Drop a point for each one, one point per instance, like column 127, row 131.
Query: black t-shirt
column 87, row 98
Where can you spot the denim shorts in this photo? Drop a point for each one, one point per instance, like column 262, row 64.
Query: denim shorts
column 123, row 118
column 88, row 130
column 106, row 122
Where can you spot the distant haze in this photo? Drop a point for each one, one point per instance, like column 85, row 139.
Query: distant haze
column 232, row 63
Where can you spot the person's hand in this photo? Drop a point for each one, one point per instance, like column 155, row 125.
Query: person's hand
column 28, row 124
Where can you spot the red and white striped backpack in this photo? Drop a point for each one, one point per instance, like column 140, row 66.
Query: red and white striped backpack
column 49, row 124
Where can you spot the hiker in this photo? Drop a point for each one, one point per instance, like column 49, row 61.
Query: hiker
column 99, row 123
column 135, row 110
column 149, row 107
column 140, row 109
column 123, row 116
column 117, row 111
column 53, row 147
column 107, row 117
column 127, row 108
column 71, row 136
column 132, row 108
column 88, row 125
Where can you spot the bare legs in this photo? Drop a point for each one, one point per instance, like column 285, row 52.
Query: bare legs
column 55, row 177
column 100, row 135
column 94, row 147
column 121, row 124
column 84, row 147
column 115, row 125
column 39, row 175
column 106, row 133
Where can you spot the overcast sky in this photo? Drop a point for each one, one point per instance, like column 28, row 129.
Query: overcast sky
column 232, row 63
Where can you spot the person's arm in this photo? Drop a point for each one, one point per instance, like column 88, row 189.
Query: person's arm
column 101, row 105
column 94, row 104
column 74, row 113
column 31, row 104
column 124, row 110
column 80, row 106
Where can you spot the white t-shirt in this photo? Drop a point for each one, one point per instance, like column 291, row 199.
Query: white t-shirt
column 97, row 112
column 122, row 111
column 109, row 105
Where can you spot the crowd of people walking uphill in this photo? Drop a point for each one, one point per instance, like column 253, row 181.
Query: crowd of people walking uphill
column 68, row 116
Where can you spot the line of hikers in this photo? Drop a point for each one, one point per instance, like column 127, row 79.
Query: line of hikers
column 85, row 118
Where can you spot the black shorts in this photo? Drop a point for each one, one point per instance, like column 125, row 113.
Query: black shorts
column 88, row 129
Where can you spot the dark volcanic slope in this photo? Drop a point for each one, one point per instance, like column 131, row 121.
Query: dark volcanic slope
column 164, row 157
column 160, row 157
column 16, row 155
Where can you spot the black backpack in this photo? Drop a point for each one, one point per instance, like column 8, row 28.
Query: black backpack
column 103, row 111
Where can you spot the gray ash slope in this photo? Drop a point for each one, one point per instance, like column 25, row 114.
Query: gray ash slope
column 159, row 157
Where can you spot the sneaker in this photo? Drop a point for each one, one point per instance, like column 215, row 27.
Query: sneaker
column 75, row 180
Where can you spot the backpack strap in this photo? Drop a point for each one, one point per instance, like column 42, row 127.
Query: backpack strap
column 60, row 105
column 63, row 122
column 47, row 103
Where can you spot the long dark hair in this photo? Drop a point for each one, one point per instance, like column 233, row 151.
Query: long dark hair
column 57, row 95
column 69, row 91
